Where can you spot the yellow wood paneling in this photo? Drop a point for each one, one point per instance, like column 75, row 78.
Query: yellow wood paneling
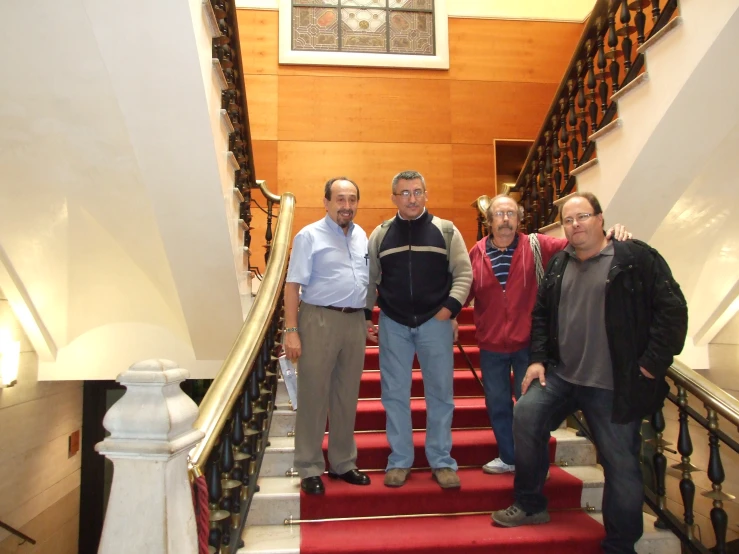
column 483, row 111
column 351, row 109
column 35, row 470
column 480, row 49
column 505, row 50
column 37, row 422
column 265, row 162
column 54, row 530
column 261, row 92
column 473, row 167
column 304, row 168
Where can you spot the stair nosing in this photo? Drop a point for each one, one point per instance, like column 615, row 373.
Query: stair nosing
column 603, row 131
column 659, row 35
column 584, row 167
column 633, row 85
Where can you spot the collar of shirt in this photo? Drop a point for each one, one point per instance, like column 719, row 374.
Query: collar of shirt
column 510, row 248
column 415, row 218
column 607, row 251
column 336, row 228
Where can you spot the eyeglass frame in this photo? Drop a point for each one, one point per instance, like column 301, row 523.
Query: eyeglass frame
column 510, row 213
column 417, row 193
column 581, row 218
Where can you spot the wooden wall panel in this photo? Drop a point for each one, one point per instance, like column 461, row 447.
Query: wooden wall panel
column 312, row 123
column 351, row 109
column 483, row 111
column 35, row 470
column 473, row 168
column 261, row 94
column 55, row 530
column 492, row 50
column 265, row 162
column 514, row 51
column 304, row 168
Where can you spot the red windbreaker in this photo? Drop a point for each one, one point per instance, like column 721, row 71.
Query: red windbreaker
column 503, row 318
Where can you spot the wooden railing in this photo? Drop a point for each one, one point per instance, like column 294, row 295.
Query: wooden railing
column 605, row 60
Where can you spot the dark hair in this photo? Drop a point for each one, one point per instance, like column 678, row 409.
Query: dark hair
column 330, row 182
column 408, row 175
column 590, row 197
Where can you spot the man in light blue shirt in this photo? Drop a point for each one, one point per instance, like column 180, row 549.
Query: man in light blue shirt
column 328, row 278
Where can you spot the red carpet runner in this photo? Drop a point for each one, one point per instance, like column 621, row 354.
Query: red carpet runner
column 432, row 530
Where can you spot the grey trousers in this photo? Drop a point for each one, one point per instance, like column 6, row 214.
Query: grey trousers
column 329, row 370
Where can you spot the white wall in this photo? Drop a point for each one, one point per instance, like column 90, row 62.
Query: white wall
column 113, row 222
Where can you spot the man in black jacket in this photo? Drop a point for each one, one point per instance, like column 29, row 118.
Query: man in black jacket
column 609, row 317
column 420, row 268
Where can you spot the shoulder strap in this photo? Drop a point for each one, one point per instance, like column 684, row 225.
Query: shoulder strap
column 384, row 226
column 536, row 250
column 447, row 229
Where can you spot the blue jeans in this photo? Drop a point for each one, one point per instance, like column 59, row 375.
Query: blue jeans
column 432, row 342
column 496, row 379
column 538, row 411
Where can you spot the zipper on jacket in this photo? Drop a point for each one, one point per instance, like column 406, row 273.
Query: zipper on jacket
column 410, row 275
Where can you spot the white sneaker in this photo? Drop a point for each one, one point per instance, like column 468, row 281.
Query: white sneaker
column 498, row 466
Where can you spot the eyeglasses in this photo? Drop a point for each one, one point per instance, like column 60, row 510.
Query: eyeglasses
column 581, row 218
column 418, row 193
column 500, row 215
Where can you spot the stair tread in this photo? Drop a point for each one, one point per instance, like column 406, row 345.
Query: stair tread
column 285, row 539
column 422, row 495
column 568, row 531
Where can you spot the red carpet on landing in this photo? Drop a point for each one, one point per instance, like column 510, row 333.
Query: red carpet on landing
column 571, row 530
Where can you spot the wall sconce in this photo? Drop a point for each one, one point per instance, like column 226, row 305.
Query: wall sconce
column 10, row 353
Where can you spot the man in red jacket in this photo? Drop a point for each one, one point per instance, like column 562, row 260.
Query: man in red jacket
column 504, row 286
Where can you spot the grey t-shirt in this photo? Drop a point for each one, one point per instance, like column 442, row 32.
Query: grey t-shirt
column 585, row 358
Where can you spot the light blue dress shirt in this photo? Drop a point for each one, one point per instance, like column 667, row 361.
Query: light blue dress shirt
column 332, row 268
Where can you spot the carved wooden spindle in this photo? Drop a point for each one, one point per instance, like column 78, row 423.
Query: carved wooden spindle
column 479, row 225
column 564, row 138
column 582, row 104
column 555, row 175
column 572, row 122
column 719, row 519
column 536, row 187
column 626, row 30
column 614, row 68
column 655, row 10
column 602, row 65
column 685, row 448
column 640, row 21
column 268, row 233
column 659, row 460
column 592, row 83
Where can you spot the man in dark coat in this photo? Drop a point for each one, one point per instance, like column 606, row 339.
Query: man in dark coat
column 609, row 317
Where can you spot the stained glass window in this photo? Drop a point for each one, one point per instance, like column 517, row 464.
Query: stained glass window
column 367, row 26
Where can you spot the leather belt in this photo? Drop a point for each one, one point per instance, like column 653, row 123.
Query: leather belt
column 343, row 310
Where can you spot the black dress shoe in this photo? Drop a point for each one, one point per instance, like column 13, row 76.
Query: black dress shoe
column 353, row 477
column 312, row 485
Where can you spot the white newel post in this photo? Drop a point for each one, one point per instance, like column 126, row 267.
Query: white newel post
column 150, row 509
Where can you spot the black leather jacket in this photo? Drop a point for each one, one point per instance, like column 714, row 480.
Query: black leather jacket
column 646, row 324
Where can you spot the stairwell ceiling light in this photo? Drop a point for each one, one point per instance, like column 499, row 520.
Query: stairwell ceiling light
column 10, row 352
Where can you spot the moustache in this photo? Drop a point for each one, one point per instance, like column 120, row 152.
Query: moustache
column 505, row 226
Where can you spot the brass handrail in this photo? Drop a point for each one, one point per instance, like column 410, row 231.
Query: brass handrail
column 266, row 192
column 711, row 395
column 219, row 401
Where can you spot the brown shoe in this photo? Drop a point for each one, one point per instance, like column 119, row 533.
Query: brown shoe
column 397, row 476
column 446, row 477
